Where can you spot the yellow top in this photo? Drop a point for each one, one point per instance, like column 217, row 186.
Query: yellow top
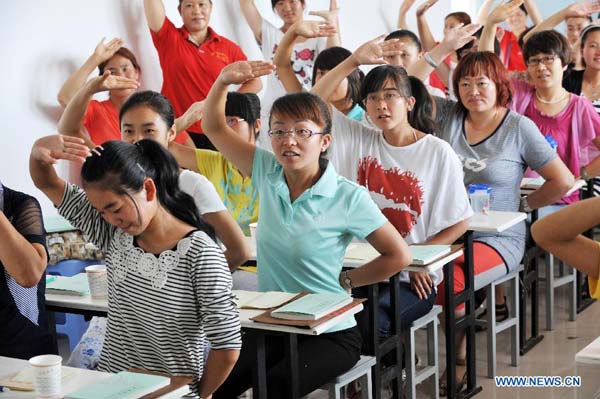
column 594, row 286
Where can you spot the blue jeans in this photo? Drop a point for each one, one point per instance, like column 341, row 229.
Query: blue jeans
column 411, row 308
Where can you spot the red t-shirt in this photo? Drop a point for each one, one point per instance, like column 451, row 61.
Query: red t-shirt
column 189, row 70
column 512, row 56
column 101, row 121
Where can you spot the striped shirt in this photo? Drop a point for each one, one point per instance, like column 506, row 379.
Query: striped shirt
column 161, row 309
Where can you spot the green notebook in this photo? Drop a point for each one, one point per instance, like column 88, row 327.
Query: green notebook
column 425, row 254
column 123, row 385
column 57, row 224
column 312, row 306
column 76, row 285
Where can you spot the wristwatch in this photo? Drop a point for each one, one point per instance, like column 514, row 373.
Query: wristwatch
column 525, row 205
column 583, row 173
column 346, row 280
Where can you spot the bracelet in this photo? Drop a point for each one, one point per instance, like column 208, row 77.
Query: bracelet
column 525, row 205
column 583, row 174
column 430, row 61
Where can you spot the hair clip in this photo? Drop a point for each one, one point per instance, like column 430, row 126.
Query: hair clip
column 140, row 166
column 96, row 150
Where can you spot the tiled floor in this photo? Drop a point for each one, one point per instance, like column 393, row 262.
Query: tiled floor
column 554, row 356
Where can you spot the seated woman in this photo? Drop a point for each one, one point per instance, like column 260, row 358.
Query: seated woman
column 23, row 259
column 561, row 233
column 99, row 120
column 410, row 174
column 308, row 215
column 495, row 146
column 169, row 287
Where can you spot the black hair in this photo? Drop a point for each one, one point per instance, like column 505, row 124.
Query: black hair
column 520, row 41
column 332, row 57
column 524, row 9
column 156, row 101
column 547, row 42
column 468, row 47
column 423, row 108
column 122, row 168
column 405, row 33
column 375, row 81
column 243, row 105
column 273, row 2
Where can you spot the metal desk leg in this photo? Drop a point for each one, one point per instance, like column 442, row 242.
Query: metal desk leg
column 450, row 330
column 259, row 373
column 291, row 354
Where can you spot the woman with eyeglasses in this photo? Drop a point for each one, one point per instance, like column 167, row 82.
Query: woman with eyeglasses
column 495, row 146
column 567, row 118
column 308, row 215
column 410, row 174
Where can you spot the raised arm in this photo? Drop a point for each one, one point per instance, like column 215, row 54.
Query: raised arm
column 427, row 39
column 372, row 52
column 155, row 14
column 231, row 235
column 71, row 121
column 237, row 150
column 484, row 10
column 498, row 15
column 45, row 152
column 455, row 39
column 404, row 7
column 281, row 59
column 581, row 9
column 560, row 234
column 395, row 256
column 102, row 53
column 253, row 18
column 558, row 181
column 331, row 19
column 533, row 11
column 192, row 115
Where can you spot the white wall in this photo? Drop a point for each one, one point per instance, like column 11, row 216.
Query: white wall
column 44, row 41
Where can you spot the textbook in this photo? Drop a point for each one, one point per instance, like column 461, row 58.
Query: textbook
column 123, row 385
column 76, row 285
column 425, row 254
column 261, row 300
column 312, row 306
column 55, row 224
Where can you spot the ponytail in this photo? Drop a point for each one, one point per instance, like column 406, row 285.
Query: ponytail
column 122, row 168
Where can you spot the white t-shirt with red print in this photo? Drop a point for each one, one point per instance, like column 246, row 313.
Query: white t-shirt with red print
column 418, row 187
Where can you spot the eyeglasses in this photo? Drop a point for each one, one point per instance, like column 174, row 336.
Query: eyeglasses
column 233, row 121
column 388, row 97
column 300, row 134
column 548, row 60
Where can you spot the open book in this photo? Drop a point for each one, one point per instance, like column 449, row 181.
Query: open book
column 123, row 385
column 312, row 306
column 425, row 254
column 261, row 300
column 76, row 285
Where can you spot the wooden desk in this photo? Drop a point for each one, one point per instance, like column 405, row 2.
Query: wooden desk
column 494, row 221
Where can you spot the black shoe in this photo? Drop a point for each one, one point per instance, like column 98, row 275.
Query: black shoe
column 502, row 314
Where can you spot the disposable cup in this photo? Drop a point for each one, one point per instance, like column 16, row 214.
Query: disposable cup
column 46, row 375
column 97, row 280
column 253, row 229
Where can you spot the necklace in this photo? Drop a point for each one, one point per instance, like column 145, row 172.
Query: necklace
column 551, row 102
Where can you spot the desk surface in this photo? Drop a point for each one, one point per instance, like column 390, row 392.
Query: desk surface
column 77, row 302
column 495, row 221
column 529, row 185
column 590, row 354
column 73, row 378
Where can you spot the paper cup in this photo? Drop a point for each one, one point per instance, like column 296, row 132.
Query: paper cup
column 253, row 229
column 46, row 375
column 97, row 280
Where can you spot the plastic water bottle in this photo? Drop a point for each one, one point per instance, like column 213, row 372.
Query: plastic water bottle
column 553, row 143
column 480, row 194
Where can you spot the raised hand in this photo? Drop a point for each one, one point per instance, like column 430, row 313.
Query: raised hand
column 194, row 112
column 460, row 35
column 582, row 9
column 311, row 29
column 422, row 9
column 503, row 11
column 375, row 51
column 107, row 81
column 242, row 71
column 50, row 149
column 328, row 15
column 104, row 51
column 406, row 5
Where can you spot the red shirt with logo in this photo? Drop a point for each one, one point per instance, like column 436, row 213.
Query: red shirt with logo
column 189, row 70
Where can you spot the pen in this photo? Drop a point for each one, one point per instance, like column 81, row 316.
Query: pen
column 4, row 389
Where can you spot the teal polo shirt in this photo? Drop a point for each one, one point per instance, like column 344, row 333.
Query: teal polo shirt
column 301, row 244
